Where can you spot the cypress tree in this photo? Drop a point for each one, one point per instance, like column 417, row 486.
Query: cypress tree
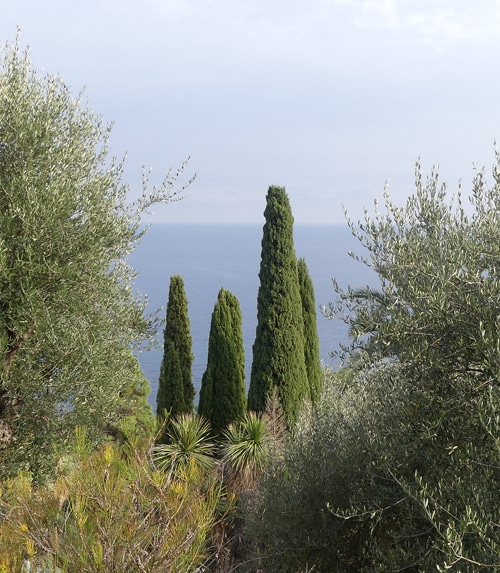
column 311, row 339
column 223, row 391
column 170, row 395
column 278, row 350
column 176, row 390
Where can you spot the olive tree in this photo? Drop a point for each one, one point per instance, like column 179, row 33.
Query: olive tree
column 330, row 494
column 436, row 316
column 69, row 316
column 398, row 466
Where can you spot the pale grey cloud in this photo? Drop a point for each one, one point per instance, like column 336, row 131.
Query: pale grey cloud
column 437, row 21
column 327, row 97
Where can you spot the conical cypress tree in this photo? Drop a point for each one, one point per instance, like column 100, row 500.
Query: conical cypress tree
column 278, row 350
column 176, row 390
column 205, row 404
column 223, row 391
column 170, row 395
column 311, row 339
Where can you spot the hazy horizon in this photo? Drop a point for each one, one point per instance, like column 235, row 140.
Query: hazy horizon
column 329, row 98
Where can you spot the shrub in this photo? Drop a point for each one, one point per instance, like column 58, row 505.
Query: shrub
column 110, row 511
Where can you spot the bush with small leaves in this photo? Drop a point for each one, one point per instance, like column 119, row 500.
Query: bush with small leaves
column 110, row 511
column 398, row 466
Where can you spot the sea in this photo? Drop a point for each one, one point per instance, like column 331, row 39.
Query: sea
column 211, row 256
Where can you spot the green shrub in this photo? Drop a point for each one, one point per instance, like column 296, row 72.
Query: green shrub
column 109, row 511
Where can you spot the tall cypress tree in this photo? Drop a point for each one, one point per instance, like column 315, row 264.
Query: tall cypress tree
column 278, row 350
column 170, row 395
column 223, row 391
column 311, row 339
column 176, row 390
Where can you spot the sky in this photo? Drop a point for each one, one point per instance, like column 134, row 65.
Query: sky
column 328, row 98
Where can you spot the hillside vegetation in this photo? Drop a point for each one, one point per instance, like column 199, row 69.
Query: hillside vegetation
column 391, row 463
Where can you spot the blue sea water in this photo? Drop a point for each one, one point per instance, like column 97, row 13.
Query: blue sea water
column 209, row 257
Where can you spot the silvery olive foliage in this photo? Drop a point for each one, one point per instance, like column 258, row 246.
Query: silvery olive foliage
column 398, row 467
column 69, row 316
column 436, row 316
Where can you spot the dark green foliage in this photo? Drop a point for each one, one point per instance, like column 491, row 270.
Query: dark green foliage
column 206, row 396
column 176, row 390
column 137, row 420
column 223, row 391
column 170, row 397
column 311, row 339
column 278, row 350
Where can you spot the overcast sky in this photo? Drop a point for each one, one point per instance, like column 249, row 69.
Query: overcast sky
column 329, row 98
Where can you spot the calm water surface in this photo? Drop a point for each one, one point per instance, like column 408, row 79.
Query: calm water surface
column 209, row 257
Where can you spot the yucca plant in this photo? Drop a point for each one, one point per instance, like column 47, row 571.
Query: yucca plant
column 188, row 444
column 246, row 450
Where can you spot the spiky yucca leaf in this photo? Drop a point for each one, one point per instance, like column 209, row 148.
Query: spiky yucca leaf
column 188, row 443
column 246, row 450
